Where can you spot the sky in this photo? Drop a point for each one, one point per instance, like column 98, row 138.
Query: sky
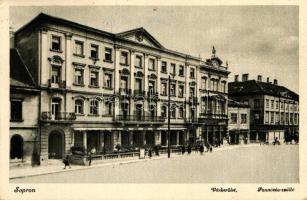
column 259, row 40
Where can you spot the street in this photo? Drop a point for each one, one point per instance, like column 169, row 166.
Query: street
column 255, row 164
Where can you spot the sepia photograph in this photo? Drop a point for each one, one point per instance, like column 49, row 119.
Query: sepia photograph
column 157, row 101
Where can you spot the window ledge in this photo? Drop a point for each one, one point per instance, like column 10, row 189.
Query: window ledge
column 152, row 70
column 16, row 120
column 95, row 59
column 108, row 88
column 163, row 94
column 139, row 67
column 79, row 55
column 77, row 84
column 79, row 114
column 93, row 86
column 93, row 115
column 108, row 61
column 56, row 50
column 124, row 64
column 181, row 75
column 163, row 72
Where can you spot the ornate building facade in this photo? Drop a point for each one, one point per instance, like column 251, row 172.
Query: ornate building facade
column 102, row 90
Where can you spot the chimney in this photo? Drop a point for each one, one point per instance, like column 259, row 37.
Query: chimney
column 268, row 79
column 275, row 81
column 236, row 78
column 259, row 78
column 244, row 77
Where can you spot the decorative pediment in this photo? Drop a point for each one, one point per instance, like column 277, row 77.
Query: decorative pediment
column 57, row 60
column 152, row 76
column 125, row 71
column 140, row 35
column 139, row 74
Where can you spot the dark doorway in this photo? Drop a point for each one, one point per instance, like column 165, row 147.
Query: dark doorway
column 55, row 145
column 16, row 147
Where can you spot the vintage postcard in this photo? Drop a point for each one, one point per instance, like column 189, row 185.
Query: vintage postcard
column 160, row 100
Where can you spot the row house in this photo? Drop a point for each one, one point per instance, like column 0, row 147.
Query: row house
column 102, row 90
column 274, row 108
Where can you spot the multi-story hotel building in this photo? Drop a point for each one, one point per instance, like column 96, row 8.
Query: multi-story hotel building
column 101, row 90
column 274, row 108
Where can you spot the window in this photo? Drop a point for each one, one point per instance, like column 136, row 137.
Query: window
column 203, row 106
column 163, row 111
column 151, row 64
column 272, row 104
column 163, row 67
column 94, row 78
column 79, row 106
column 79, row 48
column 55, row 76
column 277, row 104
column 124, row 83
column 282, row 117
column 108, row 54
column 173, row 69
column 272, row 117
column 192, row 91
column 277, row 117
column 124, row 58
column 180, row 113
column 267, row 103
column 16, row 110
column 245, row 102
column 94, row 107
column 94, row 51
column 214, row 84
column 173, row 112
column 204, row 83
column 233, row 118
column 180, row 90
column 267, row 117
column 151, row 87
column 256, row 103
column 223, row 87
column 181, row 70
column 291, row 118
column 138, row 61
column 172, row 90
column 108, row 108
column 78, row 76
column 163, row 89
column 107, row 80
column 192, row 73
column 287, row 118
column 281, row 105
column 243, row 118
column 56, row 43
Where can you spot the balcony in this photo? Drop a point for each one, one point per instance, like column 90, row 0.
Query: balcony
column 60, row 116
column 213, row 116
column 139, row 92
column 193, row 100
column 137, row 118
column 57, row 84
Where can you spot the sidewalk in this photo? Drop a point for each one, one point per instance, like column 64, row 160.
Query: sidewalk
column 57, row 167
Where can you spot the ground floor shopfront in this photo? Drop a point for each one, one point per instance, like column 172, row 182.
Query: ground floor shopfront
column 57, row 140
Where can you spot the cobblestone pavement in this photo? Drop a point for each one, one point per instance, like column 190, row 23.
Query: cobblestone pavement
column 254, row 164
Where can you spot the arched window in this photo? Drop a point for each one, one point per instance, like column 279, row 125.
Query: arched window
column 94, row 105
column 79, row 106
column 16, row 150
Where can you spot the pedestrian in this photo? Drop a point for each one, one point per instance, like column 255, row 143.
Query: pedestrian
column 196, row 148
column 189, row 149
column 210, row 148
column 92, row 151
column 183, row 149
column 201, row 149
column 149, row 152
column 66, row 162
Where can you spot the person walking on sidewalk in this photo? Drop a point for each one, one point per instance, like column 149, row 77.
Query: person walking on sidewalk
column 66, row 162
column 201, row 149
column 93, row 151
column 189, row 149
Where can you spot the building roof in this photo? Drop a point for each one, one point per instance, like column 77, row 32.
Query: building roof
column 119, row 36
column 233, row 103
column 19, row 73
column 258, row 87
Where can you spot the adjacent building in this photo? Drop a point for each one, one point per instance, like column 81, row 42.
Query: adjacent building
column 103, row 90
column 24, row 103
column 238, row 122
column 274, row 108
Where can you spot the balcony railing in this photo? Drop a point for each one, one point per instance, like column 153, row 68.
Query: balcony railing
column 139, row 118
column 60, row 83
column 213, row 116
column 139, row 92
column 62, row 116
